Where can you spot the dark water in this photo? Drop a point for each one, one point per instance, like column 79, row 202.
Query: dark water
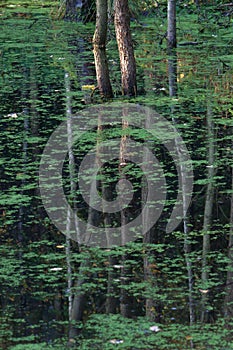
column 37, row 53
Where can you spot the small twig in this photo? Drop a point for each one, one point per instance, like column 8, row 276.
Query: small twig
column 224, row 5
column 190, row 43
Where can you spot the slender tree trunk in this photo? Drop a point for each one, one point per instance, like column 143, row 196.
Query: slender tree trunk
column 187, row 248
column 208, row 211
column 171, row 25
column 126, row 272
column 172, row 74
column 72, row 188
column 78, row 303
column 99, row 43
column 75, row 303
column 152, row 306
column 25, row 158
column 125, row 48
column 171, row 48
column 228, row 304
column 79, row 298
column 173, row 91
column 111, row 301
column 34, row 128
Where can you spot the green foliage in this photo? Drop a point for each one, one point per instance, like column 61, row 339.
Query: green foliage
column 37, row 52
column 101, row 331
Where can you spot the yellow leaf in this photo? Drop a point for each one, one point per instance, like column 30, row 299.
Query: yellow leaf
column 88, row 87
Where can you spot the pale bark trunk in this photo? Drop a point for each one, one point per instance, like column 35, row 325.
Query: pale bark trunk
column 25, row 159
column 111, row 301
column 80, row 297
column 152, row 306
column 173, row 91
column 72, row 189
column 125, row 48
column 126, row 299
column 185, row 195
column 228, row 304
column 171, row 25
column 77, row 304
column 74, row 302
column 34, row 128
column 171, row 47
column 208, row 211
column 172, row 75
column 99, row 44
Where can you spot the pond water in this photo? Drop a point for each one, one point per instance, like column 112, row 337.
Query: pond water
column 37, row 53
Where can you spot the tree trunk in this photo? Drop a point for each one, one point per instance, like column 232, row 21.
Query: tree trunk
column 125, row 48
column 208, row 211
column 171, row 25
column 228, row 304
column 171, row 48
column 76, row 302
column 111, row 300
column 152, row 306
column 99, row 43
column 126, row 272
column 173, row 92
column 72, row 189
column 22, row 211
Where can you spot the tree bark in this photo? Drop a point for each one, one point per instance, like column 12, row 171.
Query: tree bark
column 75, row 302
column 171, row 48
column 152, row 306
column 171, row 25
column 125, row 48
column 72, row 189
column 99, row 44
column 126, row 271
column 173, row 92
column 228, row 304
column 208, row 211
column 111, row 300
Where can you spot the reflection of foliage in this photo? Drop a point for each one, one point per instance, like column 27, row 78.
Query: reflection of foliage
column 36, row 53
column 146, row 6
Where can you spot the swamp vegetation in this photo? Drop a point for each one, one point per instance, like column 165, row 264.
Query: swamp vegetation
column 164, row 290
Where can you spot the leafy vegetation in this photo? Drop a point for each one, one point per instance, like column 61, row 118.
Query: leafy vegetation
column 37, row 50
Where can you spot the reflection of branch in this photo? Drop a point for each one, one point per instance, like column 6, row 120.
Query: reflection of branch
column 223, row 5
column 224, row 64
column 32, row 24
column 162, row 37
column 186, row 43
